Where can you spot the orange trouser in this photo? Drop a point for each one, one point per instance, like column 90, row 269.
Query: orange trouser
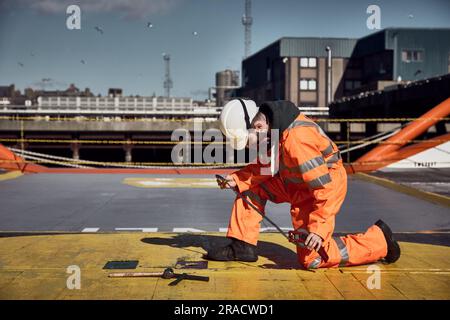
column 350, row 250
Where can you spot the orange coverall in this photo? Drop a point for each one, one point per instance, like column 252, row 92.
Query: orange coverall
column 313, row 180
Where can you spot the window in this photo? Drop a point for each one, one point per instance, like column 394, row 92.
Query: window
column 269, row 70
column 244, row 77
column 308, row 62
column 412, row 55
column 348, row 85
column 352, row 84
column 449, row 62
column 303, row 84
column 312, row 84
column 308, row 84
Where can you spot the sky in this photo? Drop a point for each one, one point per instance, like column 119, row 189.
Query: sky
column 202, row 37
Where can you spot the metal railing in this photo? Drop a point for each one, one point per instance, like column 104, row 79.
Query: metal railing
column 125, row 110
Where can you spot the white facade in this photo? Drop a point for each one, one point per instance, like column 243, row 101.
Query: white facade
column 114, row 103
column 436, row 157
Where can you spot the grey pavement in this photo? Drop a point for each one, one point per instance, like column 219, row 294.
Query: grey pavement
column 425, row 179
column 72, row 202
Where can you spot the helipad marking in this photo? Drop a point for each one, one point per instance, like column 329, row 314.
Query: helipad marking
column 171, row 182
column 10, row 175
column 90, row 229
column 187, row 230
column 137, row 229
column 425, row 271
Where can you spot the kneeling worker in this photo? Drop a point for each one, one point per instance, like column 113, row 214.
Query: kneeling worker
column 311, row 177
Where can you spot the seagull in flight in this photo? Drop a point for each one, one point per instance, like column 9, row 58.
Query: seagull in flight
column 99, row 29
column 149, row 25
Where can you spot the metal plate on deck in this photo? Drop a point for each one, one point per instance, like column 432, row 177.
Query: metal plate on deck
column 126, row 264
column 191, row 265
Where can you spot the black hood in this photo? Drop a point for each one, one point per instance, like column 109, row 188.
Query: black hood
column 280, row 114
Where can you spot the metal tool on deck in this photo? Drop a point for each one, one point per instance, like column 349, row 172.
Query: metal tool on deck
column 168, row 273
column 297, row 237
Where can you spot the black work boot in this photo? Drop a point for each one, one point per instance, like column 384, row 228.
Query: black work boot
column 393, row 253
column 237, row 250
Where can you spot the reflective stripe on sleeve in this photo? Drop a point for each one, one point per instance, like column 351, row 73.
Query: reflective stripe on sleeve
column 328, row 150
column 310, row 164
column 320, row 181
column 301, row 123
column 342, row 250
column 334, row 158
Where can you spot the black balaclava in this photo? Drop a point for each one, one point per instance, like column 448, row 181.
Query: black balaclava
column 280, row 114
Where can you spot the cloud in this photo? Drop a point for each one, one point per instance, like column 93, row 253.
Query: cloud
column 128, row 8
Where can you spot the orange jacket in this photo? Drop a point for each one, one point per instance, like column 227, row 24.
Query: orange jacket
column 307, row 159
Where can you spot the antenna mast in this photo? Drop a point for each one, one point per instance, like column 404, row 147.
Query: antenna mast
column 247, row 22
column 168, row 84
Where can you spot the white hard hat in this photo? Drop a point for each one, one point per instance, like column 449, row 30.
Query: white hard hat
column 235, row 121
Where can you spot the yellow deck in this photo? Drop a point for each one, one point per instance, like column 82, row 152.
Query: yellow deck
column 34, row 267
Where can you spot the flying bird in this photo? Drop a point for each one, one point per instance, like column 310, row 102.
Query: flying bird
column 99, row 29
column 149, row 25
column 195, row 33
column 20, row 64
column 410, row 16
column 46, row 79
column 83, row 62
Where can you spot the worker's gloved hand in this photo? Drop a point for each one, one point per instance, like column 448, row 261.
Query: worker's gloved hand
column 230, row 182
column 313, row 242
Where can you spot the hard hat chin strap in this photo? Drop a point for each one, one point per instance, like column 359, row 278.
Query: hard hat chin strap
column 246, row 116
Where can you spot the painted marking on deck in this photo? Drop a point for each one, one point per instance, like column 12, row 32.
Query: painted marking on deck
column 171, row 182
column 90, row 229
column 10, row 175
column 223, row 229
column 182, row 230
column 138, row 229
column 421, row 273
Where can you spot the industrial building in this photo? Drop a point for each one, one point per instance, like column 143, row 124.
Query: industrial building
column 110, row 103
column 313, row 72
column 226, row 82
